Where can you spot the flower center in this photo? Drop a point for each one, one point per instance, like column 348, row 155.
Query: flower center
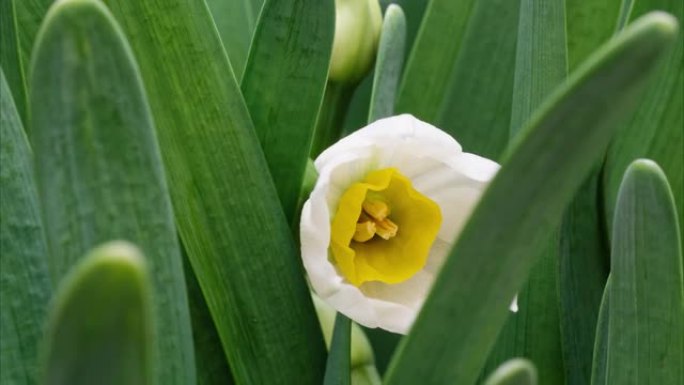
column 374, row 221
column 383, row 229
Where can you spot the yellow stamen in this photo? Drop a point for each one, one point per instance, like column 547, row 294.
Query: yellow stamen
column 364, row 231
column 386, row 229
column 377, row 209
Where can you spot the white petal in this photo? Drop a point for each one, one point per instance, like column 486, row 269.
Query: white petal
column 437, row 167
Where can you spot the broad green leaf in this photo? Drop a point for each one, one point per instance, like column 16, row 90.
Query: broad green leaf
column 656, row 129
column 646, row 321
column 11, row 58
column 98, row 168
column 277, row 71
column 235, row 21
column 100, row 328
column 338, row 367
column 600, row 354
column 226, row 205
column 516, row 371
column 534, row 332
column 212, row 364
column 24, row 280
column 589, row 24
column 540, row 174
column 388, row 64
column 459, row 75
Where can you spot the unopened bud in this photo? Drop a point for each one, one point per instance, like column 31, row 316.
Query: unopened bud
column 357, row 32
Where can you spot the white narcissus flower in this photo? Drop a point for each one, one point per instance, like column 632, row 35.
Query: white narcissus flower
column 388, row 204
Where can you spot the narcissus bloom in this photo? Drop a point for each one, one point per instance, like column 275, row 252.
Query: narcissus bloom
column 389, row 202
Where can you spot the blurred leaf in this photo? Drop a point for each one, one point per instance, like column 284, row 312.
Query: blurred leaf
column 646, row 338
column 28, row 16
column 388, row 64
column 100, row 328
column 534, row 332
column 516, row 216
column 656, row 129
column 459, row 75
column 235, row 21
column 24, row 280
column 600, row 356
column 589, row 24
column 11, row 58
column 516, row 371
column 290, row 56
column 212, row 364
column 98, row 167
column 338, row 367
column 226, row 205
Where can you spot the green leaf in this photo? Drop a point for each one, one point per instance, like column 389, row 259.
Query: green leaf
column 98, row 166
column 583, row 269
column 235, row 21
column 584, row 258
column 589, row 24
column 600, row 355
column 646, row 338
column 212, row 364
column 654, row 130
column 25, row 284
column 276, row 71
column 226, row 205
column 100, row 326
column 11, row 58
column 338, row 367
column 540, row 67
column 459, row 75
column 29, row 15
column 522, row 205
column 516, row 371
column 388, row 64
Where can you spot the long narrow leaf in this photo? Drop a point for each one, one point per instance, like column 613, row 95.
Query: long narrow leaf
column 98, row 165
column 100, row 327
column 236, row 21
column 29, row 15
column 277, row 71
column 388, row 64
column 514, row 372
column 10, row 56
column 24, row 280
column 654, row 130
column 460, row 72
column 516, row 216
column 600, row 355
column 212, row 364
column 540, row 67
column 226, row 206
column 589, row 24
column 646, row 338
column 338, row 367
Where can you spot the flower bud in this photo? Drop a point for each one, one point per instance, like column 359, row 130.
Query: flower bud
column 357, row 32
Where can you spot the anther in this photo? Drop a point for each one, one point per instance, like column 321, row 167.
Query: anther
column 364, row 231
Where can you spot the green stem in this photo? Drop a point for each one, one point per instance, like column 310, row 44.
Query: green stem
column 331, row 116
